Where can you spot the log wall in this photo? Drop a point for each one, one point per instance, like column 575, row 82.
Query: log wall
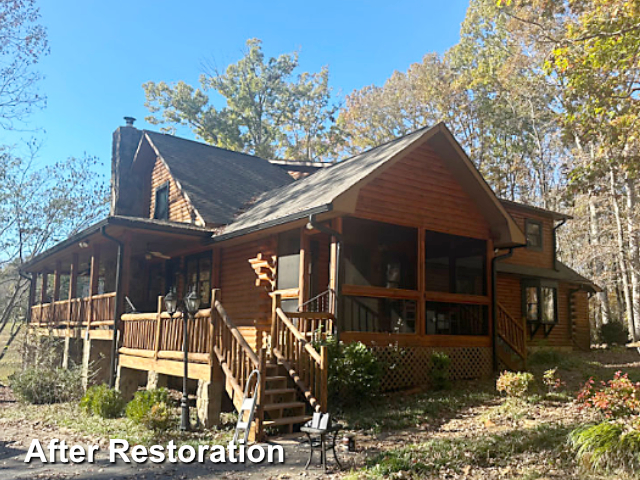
column 180, row 210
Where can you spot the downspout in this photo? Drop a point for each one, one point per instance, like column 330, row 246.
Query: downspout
column 31, row 291
column 553, row 236
column 116, row 308
column 494, row 301
column 312, row 225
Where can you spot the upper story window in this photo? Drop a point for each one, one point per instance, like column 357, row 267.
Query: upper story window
column 161, row 210
column 533, row 230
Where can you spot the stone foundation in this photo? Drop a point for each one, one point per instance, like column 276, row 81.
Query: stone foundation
column 128, row 380
column 96, row 358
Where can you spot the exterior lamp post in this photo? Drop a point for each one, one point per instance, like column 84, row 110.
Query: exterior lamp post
column 191, row 304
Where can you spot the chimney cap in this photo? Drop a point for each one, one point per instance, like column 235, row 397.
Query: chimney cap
column 129, row 121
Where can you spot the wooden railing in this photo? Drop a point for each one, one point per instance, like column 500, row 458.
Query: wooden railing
column 314, row 326
column 162, row 334
column 95, row 311
column 306, row 366
column 323, row 302
column 511, row 332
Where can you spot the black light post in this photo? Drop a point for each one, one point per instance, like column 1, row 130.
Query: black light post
column 191, row 304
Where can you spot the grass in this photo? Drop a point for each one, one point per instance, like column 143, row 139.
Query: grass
column 70, row 416
column 11, row 361
column 413, row 411
column 446, row 455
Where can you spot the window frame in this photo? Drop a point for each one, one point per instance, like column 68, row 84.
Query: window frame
column 164, row 186
column 539, row 284
column 197, row 257
column 531, row 221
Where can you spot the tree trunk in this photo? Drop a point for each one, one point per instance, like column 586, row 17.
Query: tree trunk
column 634, row 261
column 622, row 260
column 598, row 269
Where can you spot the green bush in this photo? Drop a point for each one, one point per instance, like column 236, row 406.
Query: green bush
column 102, row 401
column 159, row 418
column 139, row 409
column 607, row 446
column 515, row 385
column 354, row 372
column 40, row 385
column 440, row 371
column 613, row 333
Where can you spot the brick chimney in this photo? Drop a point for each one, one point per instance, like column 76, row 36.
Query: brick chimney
column 124, row 186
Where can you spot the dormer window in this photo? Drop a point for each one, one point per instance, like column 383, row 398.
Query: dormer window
column 533, row 230
column 161, row 210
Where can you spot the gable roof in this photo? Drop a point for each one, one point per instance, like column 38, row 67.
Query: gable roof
column 217, row 182
column 335, row 188
column 536, row 210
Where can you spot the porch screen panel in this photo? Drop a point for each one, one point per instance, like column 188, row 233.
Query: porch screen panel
column 380, row 254
column 456, row 319
column 382, row 315
column 289, row 266
column 455, row 264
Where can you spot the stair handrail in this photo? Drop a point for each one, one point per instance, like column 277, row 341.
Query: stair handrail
column 305, row 365
column 512, row 332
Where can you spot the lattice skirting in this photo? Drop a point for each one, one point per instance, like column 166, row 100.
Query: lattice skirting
column 407, row 367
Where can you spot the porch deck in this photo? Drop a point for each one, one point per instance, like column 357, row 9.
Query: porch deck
column 94, row 314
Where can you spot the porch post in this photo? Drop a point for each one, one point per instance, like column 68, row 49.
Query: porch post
column 126, row 269
column 45, row 287
column 73, row 284
column 56, row 293
column 94, row 276
column 421, row 326
column 302, row 274
column 32, row 296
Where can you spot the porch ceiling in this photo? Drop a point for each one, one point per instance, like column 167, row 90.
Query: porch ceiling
column 142, row 235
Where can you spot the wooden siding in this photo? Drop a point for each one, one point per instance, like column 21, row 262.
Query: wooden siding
column 582, row 328
column 421, row 191
column 246, row 304
column 510, row 297
column 180, row 210
column 528, row 256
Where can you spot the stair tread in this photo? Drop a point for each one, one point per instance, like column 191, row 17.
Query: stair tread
column 287, row 421
column 278, row 406
column 275, row 391
column 276, row 377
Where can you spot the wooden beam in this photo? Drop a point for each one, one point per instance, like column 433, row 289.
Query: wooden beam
column 94, row 276
column 421, row 321
column 56, row 281
column 45, row 287
column 126, row 270
column 302, row 271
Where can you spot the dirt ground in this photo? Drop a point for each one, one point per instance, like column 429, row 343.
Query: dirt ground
column 488, row 419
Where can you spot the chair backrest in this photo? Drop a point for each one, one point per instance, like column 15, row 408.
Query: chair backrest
column 320, row 420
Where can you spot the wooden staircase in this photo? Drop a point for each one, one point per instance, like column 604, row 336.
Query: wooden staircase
column 293, row 373
column 511, row 347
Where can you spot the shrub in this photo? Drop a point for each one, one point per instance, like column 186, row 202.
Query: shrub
column 607, row 446
column 143, row 402
column 159, row 418
column 354, row 372
column 613, row 333
column 551, row 380
column 440, row 371
column 618, row 397
column 39, row 385
column 515, row 385
column 102, row 401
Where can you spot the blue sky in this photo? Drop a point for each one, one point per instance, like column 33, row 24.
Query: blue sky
column 102, row 52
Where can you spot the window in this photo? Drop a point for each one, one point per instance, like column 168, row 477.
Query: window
column 161, row 210
column 540, row 302
column 289, row 266
column 455, row 264
column 380, row 254
column 456, row 319
column 385, row 315
column 199, row 276
column 533, row 230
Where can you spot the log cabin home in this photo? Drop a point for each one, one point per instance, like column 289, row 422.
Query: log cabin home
column 404, row 247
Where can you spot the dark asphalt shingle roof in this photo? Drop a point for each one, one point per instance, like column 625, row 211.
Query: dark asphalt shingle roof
column 319, row 189
column 218, row 182
column 563, row 273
